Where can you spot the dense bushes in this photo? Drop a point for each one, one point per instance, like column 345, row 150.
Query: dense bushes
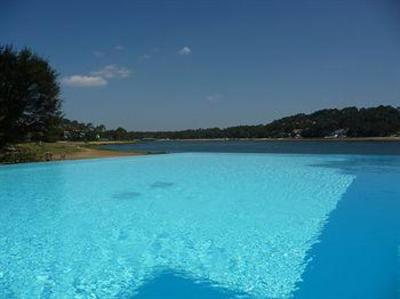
column 19, row 155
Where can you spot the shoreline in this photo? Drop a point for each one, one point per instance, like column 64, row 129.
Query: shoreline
column 59, row 151
column 346, row 139
column 93, row 153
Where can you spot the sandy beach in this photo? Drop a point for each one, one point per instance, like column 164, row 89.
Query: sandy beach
column 92, row 153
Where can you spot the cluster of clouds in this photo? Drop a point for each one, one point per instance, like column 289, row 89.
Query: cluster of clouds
column 102, row 76
column 97, row 78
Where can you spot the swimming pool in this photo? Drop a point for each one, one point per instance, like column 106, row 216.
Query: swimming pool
column 202, row 225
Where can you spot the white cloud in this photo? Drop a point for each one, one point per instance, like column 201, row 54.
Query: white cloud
column 84, row 81
column 185, row 51
column 214, row 98
column 112, row 71
column 119, row 47
column 97, row 78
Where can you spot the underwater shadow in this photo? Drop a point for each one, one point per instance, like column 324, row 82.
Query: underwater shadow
column 161, row 185
column 170, row 285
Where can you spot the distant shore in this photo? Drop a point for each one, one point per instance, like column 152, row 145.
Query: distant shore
column 350, row 139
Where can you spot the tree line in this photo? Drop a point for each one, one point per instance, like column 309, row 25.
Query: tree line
column 30, row 110
column 381, row 121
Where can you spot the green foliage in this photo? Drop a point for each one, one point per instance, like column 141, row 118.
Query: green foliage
column 77, row 131
column 29, row 97
column 378, row 121
column 20, row 154
column 32, row 152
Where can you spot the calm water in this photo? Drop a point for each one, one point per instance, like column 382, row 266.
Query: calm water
column 283, row 146
column 202, row 225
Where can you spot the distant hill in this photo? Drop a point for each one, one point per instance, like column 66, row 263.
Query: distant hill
column 381, row 121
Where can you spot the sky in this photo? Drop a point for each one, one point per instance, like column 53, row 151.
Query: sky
column 168, row 65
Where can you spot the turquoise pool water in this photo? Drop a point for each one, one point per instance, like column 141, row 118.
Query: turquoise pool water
column 202, row 225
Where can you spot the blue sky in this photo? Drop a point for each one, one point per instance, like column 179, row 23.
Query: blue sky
column 162, row 65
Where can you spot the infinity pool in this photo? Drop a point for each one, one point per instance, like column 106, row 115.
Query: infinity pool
column 202, row 225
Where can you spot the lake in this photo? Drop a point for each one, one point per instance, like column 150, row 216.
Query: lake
column 276, row 146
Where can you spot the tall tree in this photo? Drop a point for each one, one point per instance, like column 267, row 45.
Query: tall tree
column 30, row 106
